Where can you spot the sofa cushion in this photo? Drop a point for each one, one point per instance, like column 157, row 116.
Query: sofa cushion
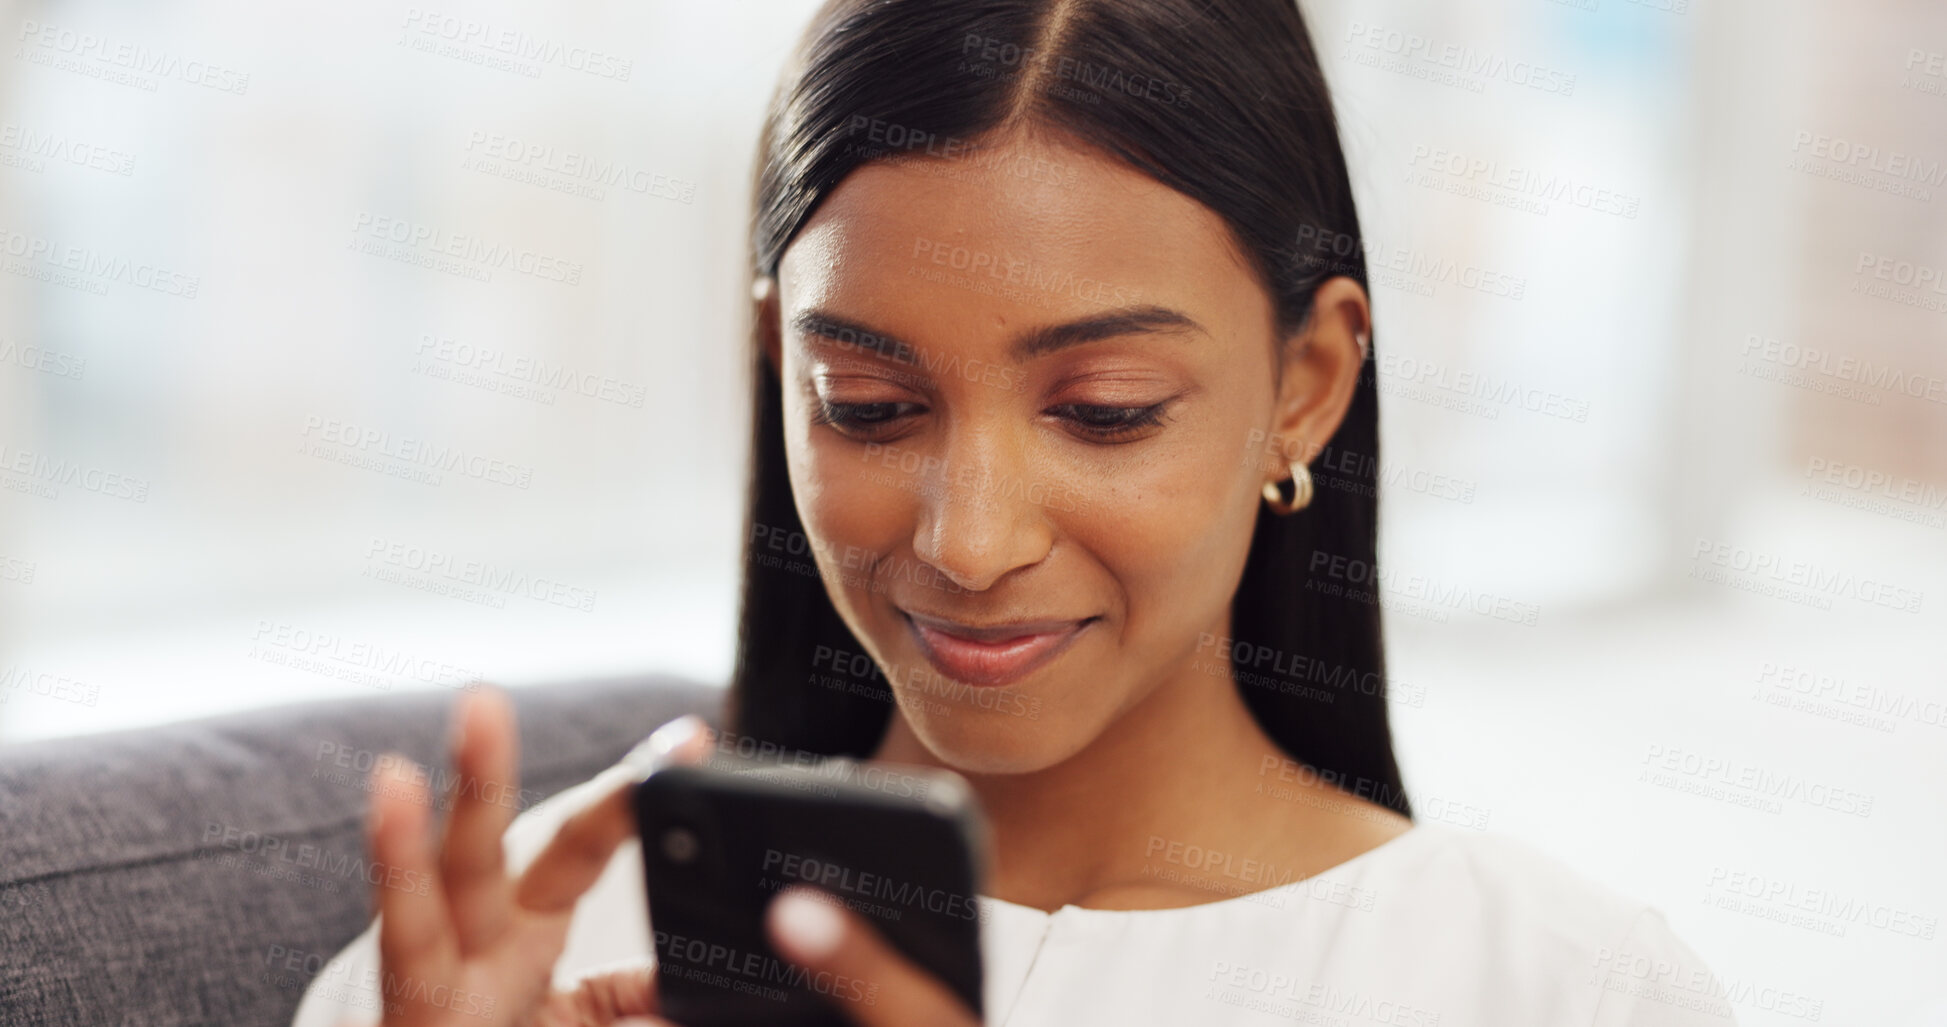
column 200, row 873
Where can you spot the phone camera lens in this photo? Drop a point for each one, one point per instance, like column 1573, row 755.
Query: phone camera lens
column 679, row 844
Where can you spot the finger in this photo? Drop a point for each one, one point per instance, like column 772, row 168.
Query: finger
column 686, row 739
column 873, row 983
column 471, row 862
column 560, row 1011
column 578, row 853
column 608, row 997
column 415, row 932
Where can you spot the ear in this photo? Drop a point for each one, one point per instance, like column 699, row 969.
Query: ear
column 1320, row 372
column 770, row 330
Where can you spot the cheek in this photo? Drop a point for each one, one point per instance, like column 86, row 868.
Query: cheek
column 847, row 493
column 1172, row 529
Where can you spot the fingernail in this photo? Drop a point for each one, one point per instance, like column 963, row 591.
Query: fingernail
column 809, row 926
column 655, row 750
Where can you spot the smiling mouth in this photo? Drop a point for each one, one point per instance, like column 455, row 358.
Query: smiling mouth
column 989, row 657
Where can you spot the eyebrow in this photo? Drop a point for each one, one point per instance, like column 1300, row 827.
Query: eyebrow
column 1035, row 342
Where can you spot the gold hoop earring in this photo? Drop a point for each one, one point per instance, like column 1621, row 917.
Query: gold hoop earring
column 1301, row 491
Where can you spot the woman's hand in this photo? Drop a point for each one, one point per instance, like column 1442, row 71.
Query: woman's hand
column 461, row 941
column 816, row 932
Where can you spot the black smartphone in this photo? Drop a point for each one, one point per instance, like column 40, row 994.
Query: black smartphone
column 902, row 847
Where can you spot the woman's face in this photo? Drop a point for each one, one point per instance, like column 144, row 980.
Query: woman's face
column 1027, row 398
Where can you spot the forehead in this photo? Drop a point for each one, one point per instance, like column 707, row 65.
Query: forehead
column 1024, row 231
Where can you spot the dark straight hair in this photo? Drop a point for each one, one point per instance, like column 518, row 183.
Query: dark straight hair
column 1221, row 100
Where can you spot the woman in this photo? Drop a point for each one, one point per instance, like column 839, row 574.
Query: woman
column 1055, row 302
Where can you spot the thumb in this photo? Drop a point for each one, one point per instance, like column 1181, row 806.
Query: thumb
column 874, row 984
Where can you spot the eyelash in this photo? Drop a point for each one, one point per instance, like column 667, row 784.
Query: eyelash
column 1118, row 424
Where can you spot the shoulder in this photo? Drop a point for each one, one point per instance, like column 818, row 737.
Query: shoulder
column 1654, row 979
column 1604, row 957
column 1520, row 883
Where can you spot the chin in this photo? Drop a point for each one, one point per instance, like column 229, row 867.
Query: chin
column 995, row 731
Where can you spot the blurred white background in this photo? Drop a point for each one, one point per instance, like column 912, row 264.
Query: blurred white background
column 1661, row 295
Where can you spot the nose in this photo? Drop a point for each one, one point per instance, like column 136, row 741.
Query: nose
column 982, row 514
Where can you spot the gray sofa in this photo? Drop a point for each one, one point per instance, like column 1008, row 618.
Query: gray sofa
column 199, row 873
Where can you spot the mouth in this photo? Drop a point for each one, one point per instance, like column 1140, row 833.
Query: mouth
column 988, row 656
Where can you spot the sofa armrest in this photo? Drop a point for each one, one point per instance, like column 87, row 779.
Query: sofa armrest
column 200, row 873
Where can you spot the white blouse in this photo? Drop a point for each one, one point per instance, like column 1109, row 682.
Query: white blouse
column 1439, row 927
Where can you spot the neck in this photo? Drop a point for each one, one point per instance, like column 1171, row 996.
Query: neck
column 1185, row 767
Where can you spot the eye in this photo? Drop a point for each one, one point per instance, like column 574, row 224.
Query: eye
column 1110, row 423
column 865, row 419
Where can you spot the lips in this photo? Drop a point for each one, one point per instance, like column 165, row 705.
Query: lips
column 995, row 655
